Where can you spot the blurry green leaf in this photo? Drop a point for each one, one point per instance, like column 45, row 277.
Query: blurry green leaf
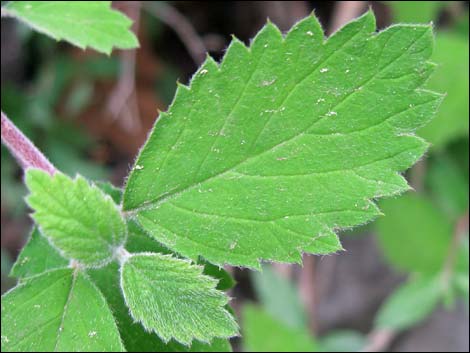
column 410, row 304
column 448, row 185
column 414, row 235
column 79, row 98
column 37, row 256
column 111, row 190
column 268, row 153
column 343, row 341
column 172, row 298
column 451, row 77
column 264, row 333
column 78, row 218
column 134, row 336
column 415, row 11
column 279, row 297
column 461, row 273
column 58, row 311
column 83, row 23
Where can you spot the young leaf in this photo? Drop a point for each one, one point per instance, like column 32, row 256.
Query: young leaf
column 134, row 336
column 174, row 299
column 268, row 153
column 83, row 23
column 59, row 310
column 415, row 236
column 264, row 333
column 410, row 303
column 37, row 256
column 81, row 221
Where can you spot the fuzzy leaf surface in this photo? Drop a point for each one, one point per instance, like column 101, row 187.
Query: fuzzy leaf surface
column 83, row 23
column 36, row 257
column 265, row 155
column 58, row 311
column 173, row 298
column 78, row 218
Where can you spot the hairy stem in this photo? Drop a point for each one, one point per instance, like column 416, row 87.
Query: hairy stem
column 27, row 155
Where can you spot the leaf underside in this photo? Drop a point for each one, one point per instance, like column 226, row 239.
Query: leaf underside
column 83, row 23
column 265, row 155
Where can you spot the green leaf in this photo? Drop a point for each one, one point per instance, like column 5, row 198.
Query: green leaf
column 172, row 298
column 37, row 256
column 111, row 190
column 134, row 336
column 265, row 155
column 414, row 236
column 279, row 297
column 263, row 333
column 451, row 77
column 78, row 218
column 415, row 11
column 448, row 185
column 410, row 303
column 83, row 23
column 59, row 310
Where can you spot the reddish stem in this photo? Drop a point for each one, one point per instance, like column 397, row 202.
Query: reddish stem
column 27, row 155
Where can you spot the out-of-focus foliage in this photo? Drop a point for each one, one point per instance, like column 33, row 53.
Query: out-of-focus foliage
column 450, row 77
column 415, row 11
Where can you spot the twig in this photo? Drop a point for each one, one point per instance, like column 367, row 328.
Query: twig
column 27, row 155
column 307, row 289
column 379, row 340
column 183, row 28
column 461, row 229
column 122, row 103
column 344, row 12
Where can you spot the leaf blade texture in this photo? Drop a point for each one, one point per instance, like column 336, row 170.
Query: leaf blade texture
column 134, row 336
column 78, row 219
column 46, row 313
column 36, row 257
column 264, row 156
column 83, row 23
column 174, row 299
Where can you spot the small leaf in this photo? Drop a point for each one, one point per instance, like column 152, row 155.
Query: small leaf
column 59, row 310
column 271, row 151
column 343, row 341
column 37, row 256
column 414, row 236
column 174, row 299
column 263, row 333
column 410, row 303
column 83, row 23
column 279, row 297
column 81, row 221
column 134, row 336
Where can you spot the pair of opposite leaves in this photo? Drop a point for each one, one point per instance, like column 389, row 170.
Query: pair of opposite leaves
column 263, row 157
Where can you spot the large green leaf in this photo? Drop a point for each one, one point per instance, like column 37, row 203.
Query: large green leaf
column 264, row 333
column 36, row 257
column 78, row 218
column 414, row 236
column 172, row 298
column 415, row 11
column 83, row 23
column 59, row 310
column 269, row 152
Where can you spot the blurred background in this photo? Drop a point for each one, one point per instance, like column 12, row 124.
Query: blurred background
column 401, row 284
